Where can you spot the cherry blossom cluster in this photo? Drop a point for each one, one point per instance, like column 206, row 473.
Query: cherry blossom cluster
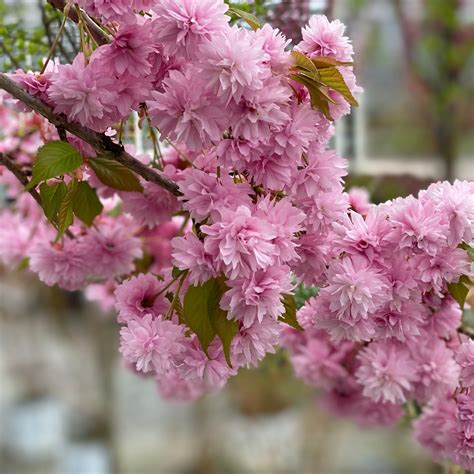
column 383, row 331
column 261, row 208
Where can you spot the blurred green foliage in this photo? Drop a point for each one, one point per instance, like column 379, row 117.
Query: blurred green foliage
column 16, row 43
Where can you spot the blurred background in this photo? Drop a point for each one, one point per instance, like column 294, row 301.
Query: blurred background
column 67, row 405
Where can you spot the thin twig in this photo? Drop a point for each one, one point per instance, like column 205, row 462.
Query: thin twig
column 100, row 36
column 102, row 144
column 56, row 40
column 10, row 164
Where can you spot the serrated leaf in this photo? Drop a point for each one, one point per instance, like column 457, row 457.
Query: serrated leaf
column 252, row 20
column 66, row 213
column 289, row 316
column 460, row 290
column 332, row 77
column 87, row 205
column 52, row 160
column 303, row 62
column 115, row 175
column 319, row 100
column 203, row 315
column 323, row 62
column 51, row 199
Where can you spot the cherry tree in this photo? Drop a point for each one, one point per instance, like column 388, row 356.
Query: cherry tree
column 201, row 246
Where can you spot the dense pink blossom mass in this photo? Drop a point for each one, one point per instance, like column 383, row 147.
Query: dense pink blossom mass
column 261, row 209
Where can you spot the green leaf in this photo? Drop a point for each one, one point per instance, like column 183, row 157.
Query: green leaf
column 289, row 316
column 203, row 315
column 66, row 213
column 226, row 329
column 24, row 264
column 323, row 62
column 468, row 249
column 54, row 159
column 87, row 205
column 460, row 290
column 334, row 80
column 303, row 62
column 115, row 175
column 252, row 20
column 319, row 99
column 51, row 199
column 176, row 272
column 199, row 306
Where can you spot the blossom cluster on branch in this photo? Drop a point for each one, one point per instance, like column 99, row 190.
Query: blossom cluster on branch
column 203, row 279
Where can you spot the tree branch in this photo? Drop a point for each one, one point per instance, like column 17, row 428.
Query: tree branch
column 19, row 174
column 102, row 144
column 100, row 36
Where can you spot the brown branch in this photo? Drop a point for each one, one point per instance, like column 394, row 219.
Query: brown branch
column 102, row 144
column 10, row 164
column 100, row 36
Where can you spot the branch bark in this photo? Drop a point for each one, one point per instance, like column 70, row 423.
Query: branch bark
column 102, row 144
column 19, row 174
column 100, row 36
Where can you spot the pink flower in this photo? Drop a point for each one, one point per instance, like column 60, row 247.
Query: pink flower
column 349, row 401
column 152, row 343
column 189, row 254
column 286, row 220
column 296, row 135
column 465, row 359
column 323, row 209
column 359, row 236
column 402, row 323
column 137, row 297
column 63, row 265
column 436, row 370
column 386, row 372
column 15, row 238
column 206, row 195
column 456, row 204
column 173, row 387
column 359, row 200
column 434, row 429
column 183, row 25
column 446, row 320
column 274, row 43
column 111, row 249
column 128, row 51
column 262, row 111
column 417, row 225
column 320, row 363
column 313, row 253
column 186, row 111
column 270, row 170
column 323, row 173
column 211, row 370
column 322, row 37
column 102, row 294
column 84, row 94
column 232, row 65
column 253, row 343
column 240, row 243
column 356, row 289
column 257, row 297
column 447, row 266
column 153, row 206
